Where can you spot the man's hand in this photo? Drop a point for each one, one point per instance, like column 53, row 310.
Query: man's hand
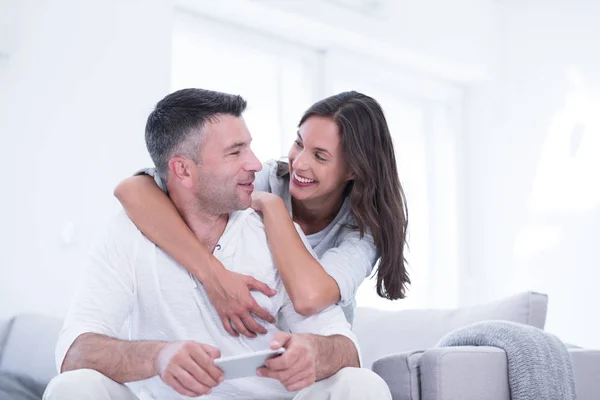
column 295, row 368
column 189, row 368
column 229, row 293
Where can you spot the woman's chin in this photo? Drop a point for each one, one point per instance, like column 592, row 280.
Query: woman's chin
column 300, row 193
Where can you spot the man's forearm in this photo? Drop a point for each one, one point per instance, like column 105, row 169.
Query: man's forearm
column 121, row 361
column 333, row 353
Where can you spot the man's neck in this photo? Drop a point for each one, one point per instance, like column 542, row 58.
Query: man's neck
column 208, row 226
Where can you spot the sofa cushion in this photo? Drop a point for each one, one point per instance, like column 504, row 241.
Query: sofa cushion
column 4, row 329
column 388, row 332
column 29, row 348
column 20, row 387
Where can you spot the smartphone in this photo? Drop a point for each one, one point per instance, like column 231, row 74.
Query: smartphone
column 244, row 365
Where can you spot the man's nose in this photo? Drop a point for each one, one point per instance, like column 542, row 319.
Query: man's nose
column 253, row 163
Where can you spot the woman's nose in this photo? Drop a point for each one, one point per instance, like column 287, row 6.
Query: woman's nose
column 300, row 161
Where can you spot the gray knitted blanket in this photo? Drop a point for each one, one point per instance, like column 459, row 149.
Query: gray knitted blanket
column 539, row 365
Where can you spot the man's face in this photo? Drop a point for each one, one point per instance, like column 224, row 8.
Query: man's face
column 227, row 166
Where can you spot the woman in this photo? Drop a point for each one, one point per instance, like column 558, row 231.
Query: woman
column 340, row 186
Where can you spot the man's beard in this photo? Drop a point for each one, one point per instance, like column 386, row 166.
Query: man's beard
column 219, row 199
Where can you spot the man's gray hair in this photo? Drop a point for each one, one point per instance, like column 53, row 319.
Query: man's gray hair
column 174, row 127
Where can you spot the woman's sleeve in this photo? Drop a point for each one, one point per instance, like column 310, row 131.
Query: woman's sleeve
column 262, row 177
column 154, row 174
column 350, row 262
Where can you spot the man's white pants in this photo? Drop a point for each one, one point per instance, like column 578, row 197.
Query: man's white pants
column 347, row 384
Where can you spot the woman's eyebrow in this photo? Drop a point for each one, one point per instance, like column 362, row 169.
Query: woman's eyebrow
column 322, row 150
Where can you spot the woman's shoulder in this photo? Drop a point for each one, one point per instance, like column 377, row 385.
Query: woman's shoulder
column 349, row 229
column 271, row 177
column 276, row 168
column 269, row 165
column 345, row 215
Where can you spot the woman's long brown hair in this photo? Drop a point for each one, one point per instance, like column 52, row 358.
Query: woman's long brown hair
column 376, row 196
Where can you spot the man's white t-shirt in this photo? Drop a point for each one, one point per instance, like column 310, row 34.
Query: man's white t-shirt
column 131, row 285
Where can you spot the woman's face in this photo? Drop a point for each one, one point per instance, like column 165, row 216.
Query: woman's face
column 317, row 165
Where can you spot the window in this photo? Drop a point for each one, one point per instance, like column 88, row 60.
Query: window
column 277, row 79
column 281, row 80
column 405, row 120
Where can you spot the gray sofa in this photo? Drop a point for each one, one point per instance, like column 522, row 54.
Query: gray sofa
column 401, row 349
column 399, row 346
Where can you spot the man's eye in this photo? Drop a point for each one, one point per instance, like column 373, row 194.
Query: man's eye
column 298, row 143
column 235, row 153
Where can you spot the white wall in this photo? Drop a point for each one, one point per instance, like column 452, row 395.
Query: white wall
column 534, row 169
column 81, row 77
column 74, row 96
column 449, row 39
column 8, row 12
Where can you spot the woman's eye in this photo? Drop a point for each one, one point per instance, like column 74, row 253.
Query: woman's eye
column 318, row 157
column 298, row 143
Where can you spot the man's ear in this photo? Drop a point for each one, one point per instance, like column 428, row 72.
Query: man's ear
column 182, row 170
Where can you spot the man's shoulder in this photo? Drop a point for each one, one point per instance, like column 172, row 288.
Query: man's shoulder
column 247, row 230
column 251, row 225
column 120, row 228
column 120, row 220
column 251, row 219
column 248, row 219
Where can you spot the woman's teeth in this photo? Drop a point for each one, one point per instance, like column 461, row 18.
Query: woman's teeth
column 303, row 180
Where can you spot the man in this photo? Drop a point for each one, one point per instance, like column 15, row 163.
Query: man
column 200, row 145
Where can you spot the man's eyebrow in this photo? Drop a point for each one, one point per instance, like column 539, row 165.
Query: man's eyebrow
column 236, row 145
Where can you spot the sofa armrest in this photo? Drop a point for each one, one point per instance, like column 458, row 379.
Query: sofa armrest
column 470, row 373
column 586, row 368
column 464, row 373
column 401, row 373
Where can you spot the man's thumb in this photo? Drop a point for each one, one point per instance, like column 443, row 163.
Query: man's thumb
column 280, row 339
column 213, row 352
